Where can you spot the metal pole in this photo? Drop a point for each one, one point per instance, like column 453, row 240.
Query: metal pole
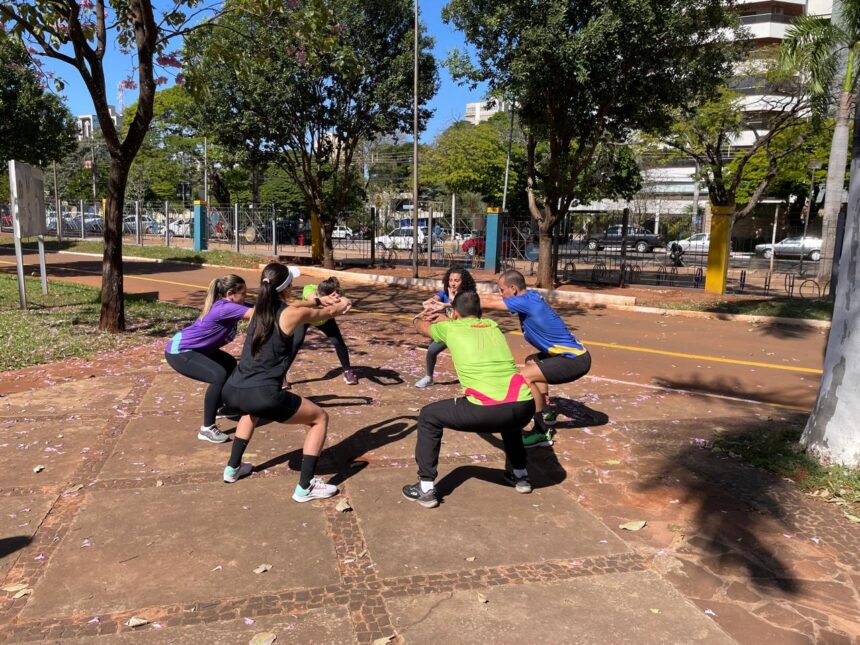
column 697, row 225
column 83, row 233
column 274, row 238
column 57, row 206
column 453, row 220
column 236, row 226
column 508, row 160
column 16, row 236
column 137, row 232
column 372, row 237
column 167, row 224
column 773, row 236
column 808, row 215
column 415, row 150
column 93, row 153
column 430, row 238
column 206, row 170
column 43, row 271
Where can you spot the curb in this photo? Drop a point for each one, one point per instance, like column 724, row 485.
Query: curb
column 431, row 284
column 627, row 303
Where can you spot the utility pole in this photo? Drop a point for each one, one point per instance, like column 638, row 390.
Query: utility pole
column 93, row 156
column 415, row 151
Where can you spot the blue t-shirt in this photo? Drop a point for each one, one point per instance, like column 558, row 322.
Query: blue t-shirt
column 443, row 297
column 542, row 326
column 212, row 331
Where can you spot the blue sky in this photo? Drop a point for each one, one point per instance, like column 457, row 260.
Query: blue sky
column 448, row 105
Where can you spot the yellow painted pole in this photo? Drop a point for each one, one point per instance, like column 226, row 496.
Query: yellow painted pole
column 718, row 250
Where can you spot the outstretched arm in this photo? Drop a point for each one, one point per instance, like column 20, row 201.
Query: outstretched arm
column 493, row 302
column 292, row 317
column 422, row 326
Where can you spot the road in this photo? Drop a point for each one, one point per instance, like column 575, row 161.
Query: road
column 755, row 362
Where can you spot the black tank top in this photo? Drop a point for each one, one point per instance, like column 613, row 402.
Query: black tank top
column 267, row 368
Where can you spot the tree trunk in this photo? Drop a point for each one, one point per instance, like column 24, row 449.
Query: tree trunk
column 328, row 246
column 833, row 430
column 113, row 305
column 316, row 237
column 835, row 187
column 544, row 272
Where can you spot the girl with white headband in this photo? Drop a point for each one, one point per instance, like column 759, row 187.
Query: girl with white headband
column 255, row 385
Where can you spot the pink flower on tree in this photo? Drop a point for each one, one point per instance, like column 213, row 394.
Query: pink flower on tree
column 161, row 80
column 168, row 60
column 87, row 4
column 180, row 79
column 127, row 84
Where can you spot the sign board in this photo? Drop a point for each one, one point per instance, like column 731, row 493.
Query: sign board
column 28, row 199
column 27, row 191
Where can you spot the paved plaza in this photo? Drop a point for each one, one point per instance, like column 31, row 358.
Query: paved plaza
column 128, row 517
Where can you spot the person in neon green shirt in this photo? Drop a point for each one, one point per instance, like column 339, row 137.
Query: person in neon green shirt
column 496, row 398
column 312, row 292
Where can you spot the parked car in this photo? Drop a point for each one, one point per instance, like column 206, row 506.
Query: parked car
column 182, row 227
column 400, row 238
column 147, row 224
column 638, row 238
column 287, row 230
column 693, row 245
column 809, row 247
column 342, row 233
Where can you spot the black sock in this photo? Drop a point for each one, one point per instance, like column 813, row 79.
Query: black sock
column 237, row 451
column 309, row 465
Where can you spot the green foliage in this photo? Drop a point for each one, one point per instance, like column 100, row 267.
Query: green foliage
column 35, row 127
column 304, row 85
column 590, row 73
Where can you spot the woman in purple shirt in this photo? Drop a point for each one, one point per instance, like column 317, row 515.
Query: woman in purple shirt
column 196, row 351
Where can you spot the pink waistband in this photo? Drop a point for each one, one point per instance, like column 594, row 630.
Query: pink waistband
column 513, row 395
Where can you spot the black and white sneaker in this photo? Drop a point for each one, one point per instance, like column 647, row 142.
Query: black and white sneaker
column 226, row 412
column 413, row 493
column 521, row 484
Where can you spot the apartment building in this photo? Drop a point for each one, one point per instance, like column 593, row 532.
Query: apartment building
column 88, row 123
column 483, row 110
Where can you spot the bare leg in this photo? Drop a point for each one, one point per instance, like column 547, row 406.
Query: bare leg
column 312, row 415
column 245, row 427
column 537, row 383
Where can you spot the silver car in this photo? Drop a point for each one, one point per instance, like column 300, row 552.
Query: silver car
column 808, row 247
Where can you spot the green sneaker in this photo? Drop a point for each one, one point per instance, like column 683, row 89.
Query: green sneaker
column 550, row 417
column 536, row 438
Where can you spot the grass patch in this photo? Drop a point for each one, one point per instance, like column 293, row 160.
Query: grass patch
column 213, row 256
column 815, row 309
column 777, row 449
column 62, row 324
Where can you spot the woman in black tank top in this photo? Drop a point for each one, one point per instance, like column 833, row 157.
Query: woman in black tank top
column 255, row 385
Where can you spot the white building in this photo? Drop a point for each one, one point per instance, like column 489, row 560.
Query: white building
column 669, row 189
column 483, row 110
column 87, row 123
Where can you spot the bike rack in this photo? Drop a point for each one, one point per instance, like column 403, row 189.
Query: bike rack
column 789, row 283
column 699, row 278
column 813, row 284
column 767, row 283
column 569, row 272
column 598, row 271
column 742, row 280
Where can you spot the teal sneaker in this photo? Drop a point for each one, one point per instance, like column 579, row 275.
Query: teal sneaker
column 318, row 489
column 232, row 475
column 550, row 417
column 536, row 438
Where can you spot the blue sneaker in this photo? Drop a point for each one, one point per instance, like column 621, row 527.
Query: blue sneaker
column 232, row 475
column 318, row 489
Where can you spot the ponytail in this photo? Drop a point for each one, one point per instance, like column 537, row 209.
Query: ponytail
column 268, row 301
column 220, row 287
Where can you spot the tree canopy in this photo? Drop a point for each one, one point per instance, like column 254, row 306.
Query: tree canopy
column 36, row 127
column 588, row 74
column 305, row 87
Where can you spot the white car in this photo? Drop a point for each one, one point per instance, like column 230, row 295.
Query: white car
column 182, row 227
column 400, row 238
column 694, row 245
column 342, row 233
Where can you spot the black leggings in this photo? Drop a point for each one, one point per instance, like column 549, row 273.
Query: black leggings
column 433, row 352
column 509, row 419
column 213, row 368
column 332, row 331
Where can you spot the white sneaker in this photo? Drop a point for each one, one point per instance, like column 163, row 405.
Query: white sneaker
column 425, row 381
column 318, row 489
column 232, row 475
column 212, row 434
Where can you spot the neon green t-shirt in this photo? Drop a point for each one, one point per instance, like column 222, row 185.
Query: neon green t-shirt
column 483, row 360
column 308, row 293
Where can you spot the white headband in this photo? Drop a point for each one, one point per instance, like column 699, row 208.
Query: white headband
column 292, row 272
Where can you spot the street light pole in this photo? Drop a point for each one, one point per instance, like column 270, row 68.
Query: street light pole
column 813, row 165
column 415, row 152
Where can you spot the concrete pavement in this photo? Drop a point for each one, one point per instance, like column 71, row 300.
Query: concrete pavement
column 728, row 553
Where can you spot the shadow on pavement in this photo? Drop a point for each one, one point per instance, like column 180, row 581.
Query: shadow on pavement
column 735, row 388
column 379, row 375
column 733, row 504
column 9, row 545
column 580, row 415
column 338, row 401
column 340, row 458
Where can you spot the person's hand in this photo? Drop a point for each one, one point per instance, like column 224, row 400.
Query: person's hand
column 327, row 301
column 343, row 305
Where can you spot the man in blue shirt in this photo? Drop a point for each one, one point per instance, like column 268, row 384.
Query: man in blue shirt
column 561, row 358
